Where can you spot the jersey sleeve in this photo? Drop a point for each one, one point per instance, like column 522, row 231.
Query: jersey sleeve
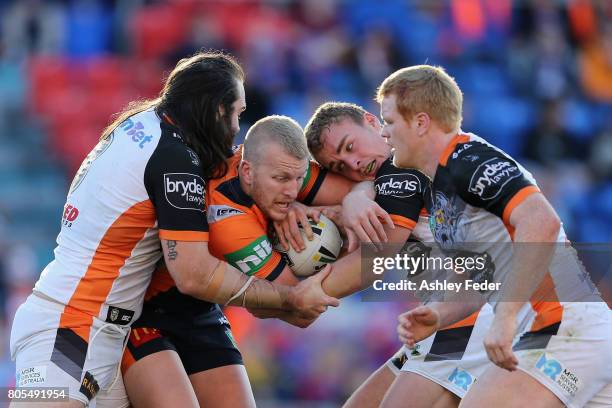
column 315, row 174
column 242, row 242
column 400, row 193
column 174, row 183
column 490, row 179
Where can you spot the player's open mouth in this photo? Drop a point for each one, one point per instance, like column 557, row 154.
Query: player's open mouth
column 370, row 168
column 283, row 206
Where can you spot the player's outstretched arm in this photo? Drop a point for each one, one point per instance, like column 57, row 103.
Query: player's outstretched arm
column 347, row 278
column 423, row 321
column 534, row 221
column 197, row 273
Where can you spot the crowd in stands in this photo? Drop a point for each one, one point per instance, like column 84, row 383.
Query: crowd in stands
column 537, row 78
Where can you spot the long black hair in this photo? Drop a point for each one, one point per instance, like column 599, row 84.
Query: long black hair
column 192, row 95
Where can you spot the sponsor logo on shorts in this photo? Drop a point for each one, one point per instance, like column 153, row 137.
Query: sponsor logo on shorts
column 461, row 378
column 554, row 370
column 184, row 191
column 118, row 315
column 135, row 130
column 397, row 185
column 215, row 213
column 89, row 386
column 36, row 375
column 399, row 359
column 70, row 215
column 491, row 176
column 142, row 335
column 230, row 336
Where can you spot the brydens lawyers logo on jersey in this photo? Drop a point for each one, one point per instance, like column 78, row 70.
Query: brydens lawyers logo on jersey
column 491, row 176
column 397, row 185
column 184, row 191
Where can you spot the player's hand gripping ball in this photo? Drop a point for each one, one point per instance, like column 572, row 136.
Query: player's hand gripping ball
column 323, row 249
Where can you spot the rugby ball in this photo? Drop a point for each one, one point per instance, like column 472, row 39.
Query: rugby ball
column 323, row 249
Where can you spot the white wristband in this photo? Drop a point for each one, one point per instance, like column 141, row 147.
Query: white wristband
column 241, row 291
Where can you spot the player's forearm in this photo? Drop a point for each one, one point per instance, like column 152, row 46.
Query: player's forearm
column 346, row 277
column 366, row 187
column 535, row 238
column 198, row 274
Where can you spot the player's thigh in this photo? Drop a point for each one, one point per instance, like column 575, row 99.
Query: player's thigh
column 410, row 390
column 370, row 394
column 159, row 380
column 47, row 355
column 220, row 387
column 500, row 388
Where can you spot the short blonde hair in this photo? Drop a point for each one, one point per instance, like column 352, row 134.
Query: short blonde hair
column 277, row 129
column 425, row 88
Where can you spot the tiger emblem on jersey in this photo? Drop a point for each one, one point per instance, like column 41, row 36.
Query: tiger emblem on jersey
column 444, row 219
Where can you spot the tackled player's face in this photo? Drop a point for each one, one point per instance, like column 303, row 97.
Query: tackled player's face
column 352, row 150
column 276, row 181
column 400, row 135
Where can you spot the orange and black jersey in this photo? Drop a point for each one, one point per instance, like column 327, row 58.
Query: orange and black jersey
column 238, row 235
column 238, row 227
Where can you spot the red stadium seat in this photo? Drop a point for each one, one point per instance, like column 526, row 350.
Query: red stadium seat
column 157, row 30
column 48, row 76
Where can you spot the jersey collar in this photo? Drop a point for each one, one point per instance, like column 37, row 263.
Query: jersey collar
column 450, row 148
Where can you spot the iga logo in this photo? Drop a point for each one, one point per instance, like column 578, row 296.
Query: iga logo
column 491, row 176
column 184, row 191
column 135, row 130
column 397, row 185
column 70, row 215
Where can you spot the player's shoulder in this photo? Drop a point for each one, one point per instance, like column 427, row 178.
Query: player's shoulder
column 172, row 154
column 228, row 184
column 483, row 169
column 473, row 156
column 399, row 182
column 226, row 197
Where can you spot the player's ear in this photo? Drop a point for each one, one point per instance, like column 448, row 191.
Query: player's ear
column 246, row 172
column 220, row 112
column 372, row 120
column 422, row 122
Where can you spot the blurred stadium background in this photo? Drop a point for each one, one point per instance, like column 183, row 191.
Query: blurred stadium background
column 537, row 77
